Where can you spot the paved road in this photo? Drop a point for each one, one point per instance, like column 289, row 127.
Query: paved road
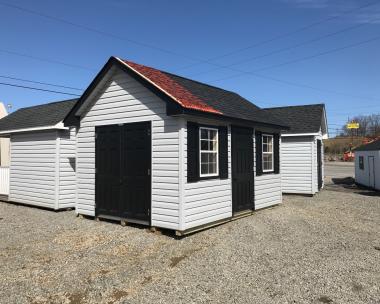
column 339, row 169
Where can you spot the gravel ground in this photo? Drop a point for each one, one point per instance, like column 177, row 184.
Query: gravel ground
column 324, row 249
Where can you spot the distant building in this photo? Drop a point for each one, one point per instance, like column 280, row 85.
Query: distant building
column 367, row 165
column 4, row 142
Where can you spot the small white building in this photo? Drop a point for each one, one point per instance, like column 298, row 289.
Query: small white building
column 162, row 150
column 4, row 142
column 302, row 160
column 367, row 165
column 42, row 156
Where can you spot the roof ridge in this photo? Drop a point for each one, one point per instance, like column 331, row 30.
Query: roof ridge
column 200, row 82
column 46, row 104
column 183, row 77
column 295, row 106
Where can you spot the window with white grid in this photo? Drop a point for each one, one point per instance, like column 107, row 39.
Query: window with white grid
column 208, row 144
column 268, row 163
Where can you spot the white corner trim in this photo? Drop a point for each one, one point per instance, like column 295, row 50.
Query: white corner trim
column 58, row 126
column 181, row 160
column 57, row 169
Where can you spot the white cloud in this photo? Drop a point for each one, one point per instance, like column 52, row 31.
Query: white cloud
column 370, row 14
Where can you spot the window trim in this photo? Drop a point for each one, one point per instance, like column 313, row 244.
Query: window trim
column 267, row 153
column 212, row 175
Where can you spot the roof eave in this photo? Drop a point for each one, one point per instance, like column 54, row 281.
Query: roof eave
column 58, row 126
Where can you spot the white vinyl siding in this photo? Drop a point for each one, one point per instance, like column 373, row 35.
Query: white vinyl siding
column 122, row 99
column 267, row 186
column 67, row 153
column 209, row 200
column 33, row 168
column 298, row 164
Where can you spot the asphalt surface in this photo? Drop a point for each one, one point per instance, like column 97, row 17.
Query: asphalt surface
column 339, row 169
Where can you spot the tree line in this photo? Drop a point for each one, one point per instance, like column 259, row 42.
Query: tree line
column 369, row 126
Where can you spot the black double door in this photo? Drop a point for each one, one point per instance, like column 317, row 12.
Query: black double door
column 242, row 169
column 123, row 171
column 319, row 163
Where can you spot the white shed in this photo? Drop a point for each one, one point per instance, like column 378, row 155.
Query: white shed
column 162, row 150
column 4, row 143
column 42, row 156
column 302, row 161
column 367, row 165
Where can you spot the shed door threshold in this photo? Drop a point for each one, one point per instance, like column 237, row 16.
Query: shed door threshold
column 243, row 213
column 117, row 218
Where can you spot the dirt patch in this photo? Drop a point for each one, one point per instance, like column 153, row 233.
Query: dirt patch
column 117, row 295
column 76, row 298
column 357, row 287
column 175, row 260
column 325, row 299
column 146, row 280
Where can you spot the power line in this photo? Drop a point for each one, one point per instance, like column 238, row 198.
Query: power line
column 241, row 73
column 39, row 82
column 96, row 31
column 36, row 89
column 46, row 60
column 301, row 29
column 150, row 46
column 281, row 50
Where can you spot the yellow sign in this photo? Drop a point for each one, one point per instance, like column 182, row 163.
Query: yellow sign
column 353, row 125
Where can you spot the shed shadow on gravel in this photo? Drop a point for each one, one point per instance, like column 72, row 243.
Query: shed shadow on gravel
column 348, row 184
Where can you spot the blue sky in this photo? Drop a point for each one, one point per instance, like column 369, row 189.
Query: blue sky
column 195, row 39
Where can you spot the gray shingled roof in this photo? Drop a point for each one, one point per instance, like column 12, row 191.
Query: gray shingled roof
column 45, row 115
column 300, row 119
column 189, row 94
column 373, row 146
column 229, row 103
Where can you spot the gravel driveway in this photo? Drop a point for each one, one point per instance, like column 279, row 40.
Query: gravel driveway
column 324, row 249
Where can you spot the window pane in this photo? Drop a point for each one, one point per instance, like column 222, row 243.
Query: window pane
column 213, row 134
column 204, row 169
column 213, row 145
column 204, row 158
column 212, row 157
column 267, row 162
column 204, row 145
column 212, row 168
column 265, row 148
column 204, row 134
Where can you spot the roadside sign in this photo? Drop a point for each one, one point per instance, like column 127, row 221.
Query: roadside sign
column 353, row 125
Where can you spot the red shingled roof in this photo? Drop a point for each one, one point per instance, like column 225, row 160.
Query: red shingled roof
column 175, row 90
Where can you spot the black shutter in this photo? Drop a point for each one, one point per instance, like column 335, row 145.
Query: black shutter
column 259, row 153
column 276, row 139
column 223, row 152
column 192, row 152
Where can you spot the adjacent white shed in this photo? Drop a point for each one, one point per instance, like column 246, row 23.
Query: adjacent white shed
column 42, row 156
column 302, row 160
column 367, row 165
column 161, row 150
